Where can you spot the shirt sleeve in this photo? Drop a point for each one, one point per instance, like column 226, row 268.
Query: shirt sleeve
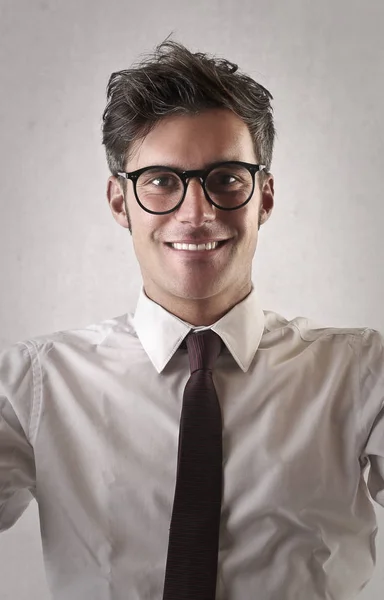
column 372, row 411
column 17, row 466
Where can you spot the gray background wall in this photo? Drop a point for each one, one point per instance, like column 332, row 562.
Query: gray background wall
column 63, row 260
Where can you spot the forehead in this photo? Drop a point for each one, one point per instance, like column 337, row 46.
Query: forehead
column 194, row 141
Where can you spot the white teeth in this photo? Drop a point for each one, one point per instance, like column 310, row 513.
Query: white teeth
column 209, row 246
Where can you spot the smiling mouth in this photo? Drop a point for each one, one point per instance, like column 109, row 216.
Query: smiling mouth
column 196, row 247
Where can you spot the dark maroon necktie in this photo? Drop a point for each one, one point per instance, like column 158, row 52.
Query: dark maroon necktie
column 191, row 569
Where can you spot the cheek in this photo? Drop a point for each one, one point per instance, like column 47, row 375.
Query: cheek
column 250, row 236
column 146, row 234
column 247, row 226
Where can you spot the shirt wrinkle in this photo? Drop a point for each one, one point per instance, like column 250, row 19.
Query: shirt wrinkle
column 89, row 423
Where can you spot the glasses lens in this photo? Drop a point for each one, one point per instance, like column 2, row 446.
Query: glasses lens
column 229, row 185
column 159, row 190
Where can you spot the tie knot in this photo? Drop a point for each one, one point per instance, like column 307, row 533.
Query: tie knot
column 203, row 349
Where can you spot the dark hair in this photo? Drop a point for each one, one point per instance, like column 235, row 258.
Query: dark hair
column 174, row 80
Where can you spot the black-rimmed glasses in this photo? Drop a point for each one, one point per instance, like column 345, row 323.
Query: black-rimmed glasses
column 227, row 185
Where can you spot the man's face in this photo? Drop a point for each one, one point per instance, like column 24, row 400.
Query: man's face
column 223, row 274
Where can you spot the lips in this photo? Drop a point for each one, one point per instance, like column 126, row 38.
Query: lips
column 196, row 253
column 196, row 242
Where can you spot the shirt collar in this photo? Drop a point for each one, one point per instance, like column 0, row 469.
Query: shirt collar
column 161, row 333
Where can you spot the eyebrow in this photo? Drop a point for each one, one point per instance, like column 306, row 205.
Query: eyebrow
column 205, row 166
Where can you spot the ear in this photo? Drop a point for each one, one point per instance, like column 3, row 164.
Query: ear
column 116, row 202
column 267, row 198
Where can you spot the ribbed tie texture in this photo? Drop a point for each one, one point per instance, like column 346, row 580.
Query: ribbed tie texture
column 191, row 569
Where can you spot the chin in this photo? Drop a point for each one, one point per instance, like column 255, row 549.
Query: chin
column 198, row 291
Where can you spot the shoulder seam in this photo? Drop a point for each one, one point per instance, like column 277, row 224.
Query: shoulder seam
column 333, row 331
column 37, row 390
column 359, row 426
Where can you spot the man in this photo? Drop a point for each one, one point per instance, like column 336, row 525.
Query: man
column 202, row 447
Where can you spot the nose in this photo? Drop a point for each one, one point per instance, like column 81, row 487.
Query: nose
column 195, row 208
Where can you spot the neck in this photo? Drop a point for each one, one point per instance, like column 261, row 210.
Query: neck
column 197, row 312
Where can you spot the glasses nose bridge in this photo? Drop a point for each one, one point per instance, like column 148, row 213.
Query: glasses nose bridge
column 195, row 173
column 199, row 174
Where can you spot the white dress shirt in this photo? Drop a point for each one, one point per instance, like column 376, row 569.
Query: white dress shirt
column 89, row 423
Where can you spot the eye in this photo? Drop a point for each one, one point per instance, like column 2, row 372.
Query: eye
column 159, row 179
column 163, row 181
column 226, row 179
